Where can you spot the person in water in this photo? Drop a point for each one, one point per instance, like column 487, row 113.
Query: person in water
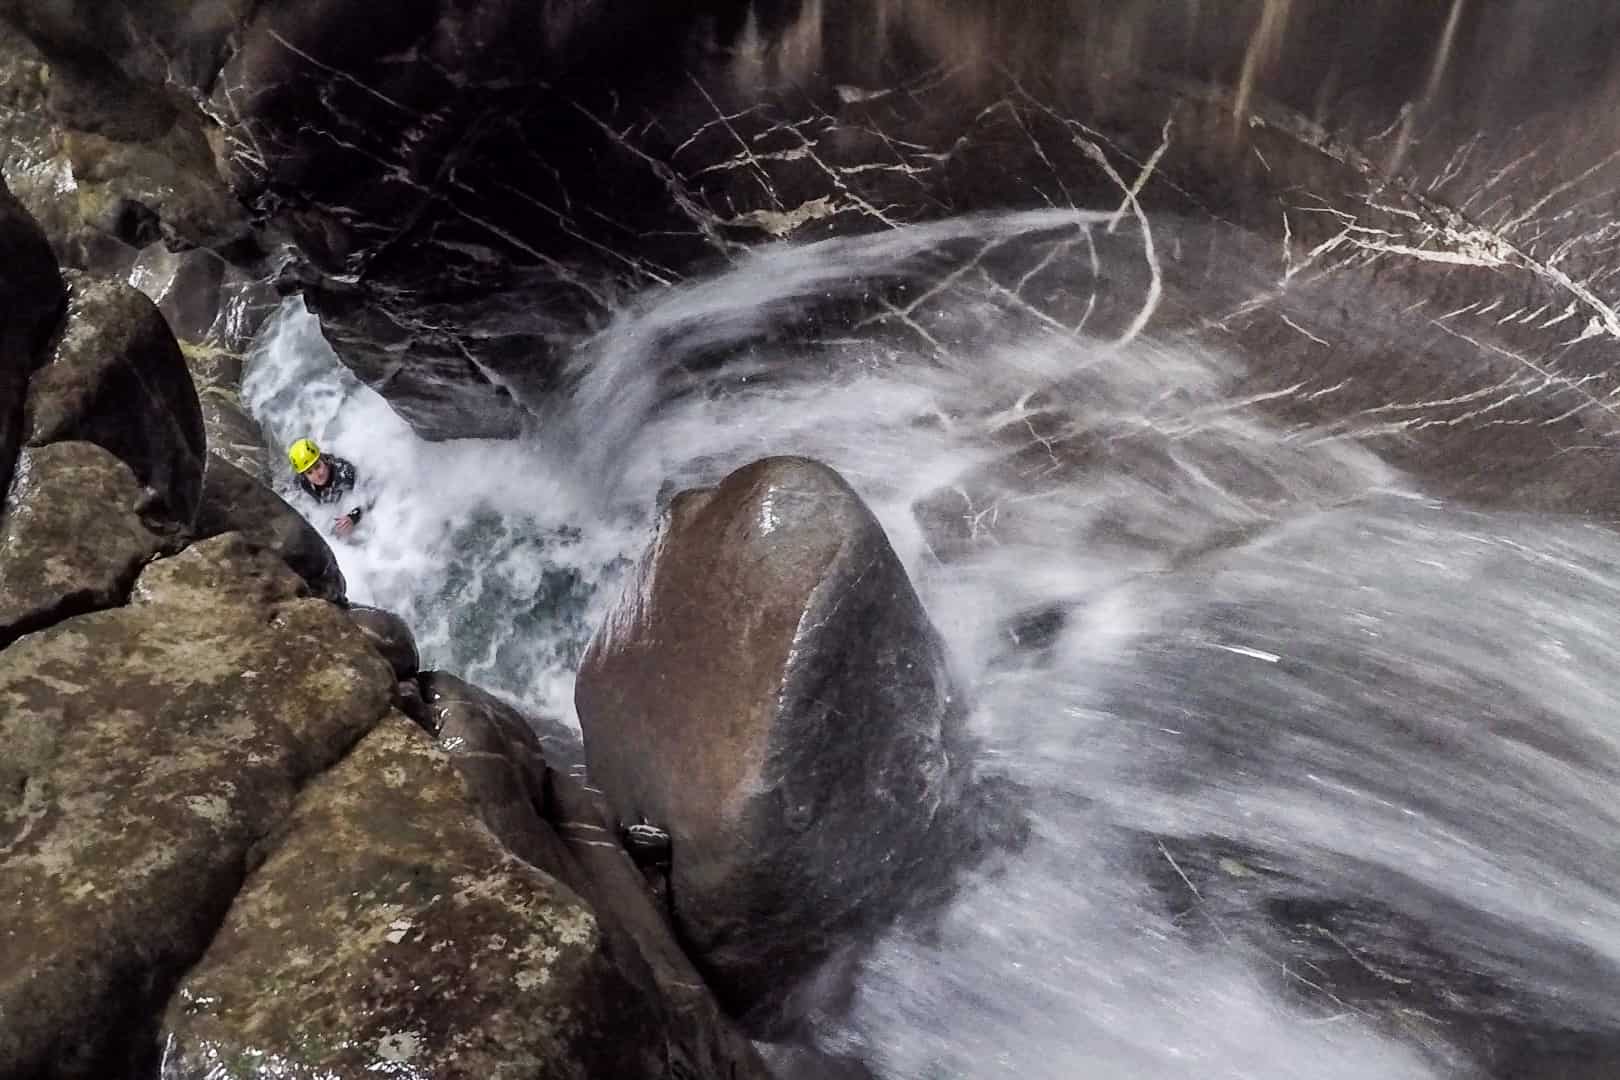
column 325, row 478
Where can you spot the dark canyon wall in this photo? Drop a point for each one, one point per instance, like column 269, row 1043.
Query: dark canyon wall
column 468, row 189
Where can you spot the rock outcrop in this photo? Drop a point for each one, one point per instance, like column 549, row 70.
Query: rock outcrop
column 223, row 852
column 160, row 742
column 72, row 538
column 389, row 931
column 106, row 150
column 115, row 377
column 233, row 435
column 390, row 636
column 555, row 823
column 458, row 705
column 771, row 693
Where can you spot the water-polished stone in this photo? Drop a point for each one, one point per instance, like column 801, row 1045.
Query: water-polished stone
column 771, row 693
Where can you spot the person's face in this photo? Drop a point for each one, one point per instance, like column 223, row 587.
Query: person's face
column 320, row 473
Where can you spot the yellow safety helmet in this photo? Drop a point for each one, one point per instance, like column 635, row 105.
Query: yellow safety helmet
column 303, row 454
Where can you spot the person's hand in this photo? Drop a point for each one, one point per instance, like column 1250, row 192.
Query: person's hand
column 345, row 525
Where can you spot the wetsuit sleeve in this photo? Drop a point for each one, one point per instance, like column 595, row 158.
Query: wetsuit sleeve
column 343, row 480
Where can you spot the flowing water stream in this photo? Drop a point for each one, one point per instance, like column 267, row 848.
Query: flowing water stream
column 1236, row 670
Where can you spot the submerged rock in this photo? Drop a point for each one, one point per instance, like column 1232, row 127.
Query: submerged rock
column 771, row 693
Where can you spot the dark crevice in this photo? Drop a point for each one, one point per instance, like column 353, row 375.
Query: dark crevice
column 74, row 604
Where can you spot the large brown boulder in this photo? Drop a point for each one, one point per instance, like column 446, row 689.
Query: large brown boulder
column 771, row 692
column 149, row 749
column 31, row 300
column 115, row 377
column 389, row 931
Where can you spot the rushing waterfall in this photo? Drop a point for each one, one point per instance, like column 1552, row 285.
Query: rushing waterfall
column 1239, row 670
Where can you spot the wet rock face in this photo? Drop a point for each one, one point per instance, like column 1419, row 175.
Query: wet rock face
column 515, row 95
column 29, row 282
column 458, row 706
column 598, row 151
column 576, row 184
column 101, row 142
column 503, row 767
column 771, row 693
column 602, row 871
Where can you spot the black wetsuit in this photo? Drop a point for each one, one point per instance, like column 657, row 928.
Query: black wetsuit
column 339, row 484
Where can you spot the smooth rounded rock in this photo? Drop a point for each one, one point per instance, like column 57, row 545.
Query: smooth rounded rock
column 116, row 378
column 392, row 637
column 771, row 693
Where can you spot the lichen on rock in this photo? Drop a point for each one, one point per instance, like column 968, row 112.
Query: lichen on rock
column 388, row 927
column 160, row 743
